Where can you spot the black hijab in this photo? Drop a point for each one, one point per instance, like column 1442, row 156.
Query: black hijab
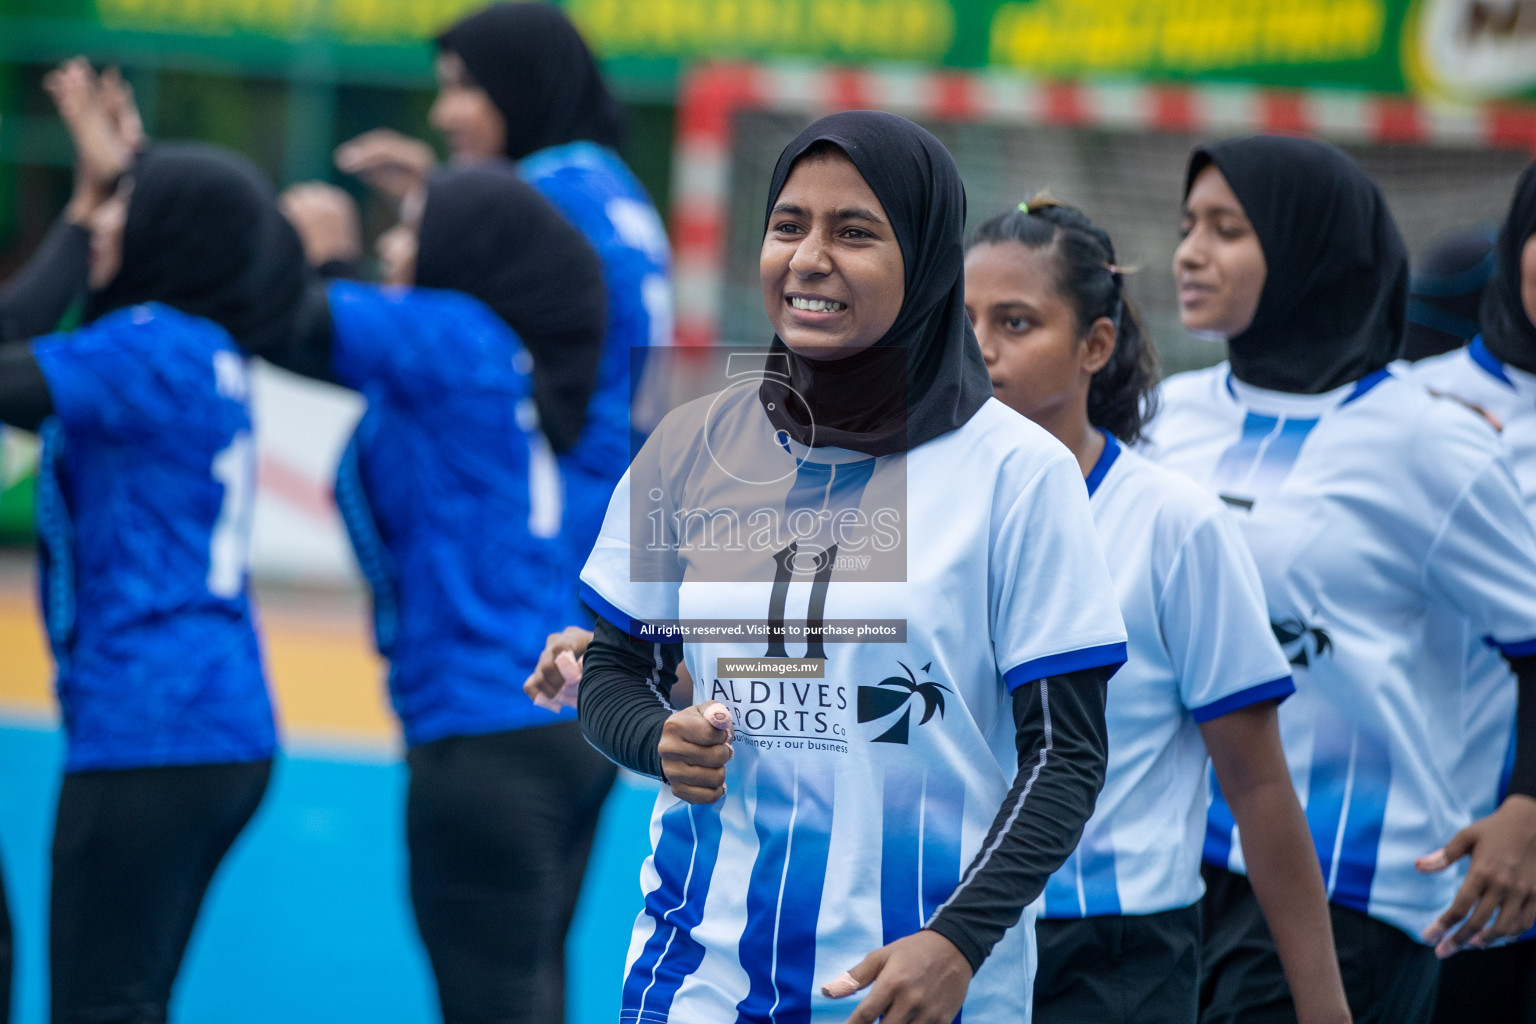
column 487, row 233
column 1507, row 330
column 926, row 377
column 1336, row 288
column 536, row 68
column 204, row 236
column 1447, row 290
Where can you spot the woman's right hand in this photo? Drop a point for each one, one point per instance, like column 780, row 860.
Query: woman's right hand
column 326, row 220
column 102, row 154
column 547, row 682
column 695, row 748
column 389, row 163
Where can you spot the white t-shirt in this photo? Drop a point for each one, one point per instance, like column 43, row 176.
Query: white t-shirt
column 1200, row 647
column 1476, row 376
column 855, row 801
column 1372, row 511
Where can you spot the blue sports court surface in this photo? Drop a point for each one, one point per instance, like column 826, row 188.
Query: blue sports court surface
column 308, row 920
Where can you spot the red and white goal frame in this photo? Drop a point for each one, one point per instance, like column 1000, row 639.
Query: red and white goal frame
column 711, row 93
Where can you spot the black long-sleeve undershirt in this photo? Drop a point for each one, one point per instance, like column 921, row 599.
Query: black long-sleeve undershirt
column 1522, row 776
column 31, row 304
column 624, row 702
column 34, row 300
column 1061, row 740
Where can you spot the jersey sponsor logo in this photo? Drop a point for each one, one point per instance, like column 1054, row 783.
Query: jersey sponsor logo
column 1302, row 643
column 893, row 694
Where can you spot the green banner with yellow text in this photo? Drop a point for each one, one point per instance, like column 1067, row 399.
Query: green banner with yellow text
column 1468, row 49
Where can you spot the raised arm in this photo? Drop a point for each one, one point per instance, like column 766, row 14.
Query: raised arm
column 93, row 109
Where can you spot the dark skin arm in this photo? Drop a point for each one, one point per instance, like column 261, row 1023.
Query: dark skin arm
column 1282, row 864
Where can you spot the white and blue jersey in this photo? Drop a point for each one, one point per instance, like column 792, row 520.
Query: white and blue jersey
column 601, row 198
column 1476, row 376
column 1373, row 511
column 144, row 503
column 857, row 797
column 452, row 499
column 1200, row 647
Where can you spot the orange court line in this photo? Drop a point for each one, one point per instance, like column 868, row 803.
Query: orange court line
column 327, row 681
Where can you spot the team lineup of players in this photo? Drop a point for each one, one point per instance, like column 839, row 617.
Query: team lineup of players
column 1214, row 699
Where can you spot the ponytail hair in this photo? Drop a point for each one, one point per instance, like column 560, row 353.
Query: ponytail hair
column 1121, row 396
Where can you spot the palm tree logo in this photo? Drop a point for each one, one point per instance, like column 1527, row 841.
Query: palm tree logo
column 1302, row 642
column 893, row 694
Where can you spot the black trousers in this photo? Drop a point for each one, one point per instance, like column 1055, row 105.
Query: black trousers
column 133, row 853
column 1134, row 969
column 6, row 956
column 1489, row 986
column 499, row 829
column 1388, row 977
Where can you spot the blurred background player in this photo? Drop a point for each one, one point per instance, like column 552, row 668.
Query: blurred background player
column 1065, row 347
column 144, row 509
column 1371, row 509
column 1446, row 292
column 516, row 80
column 1496, row 375
column 819, row 838
column 453, row 502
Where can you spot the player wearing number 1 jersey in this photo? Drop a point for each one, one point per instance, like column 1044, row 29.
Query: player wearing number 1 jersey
column 875, row 800
column 144, row 502
column 452, row 499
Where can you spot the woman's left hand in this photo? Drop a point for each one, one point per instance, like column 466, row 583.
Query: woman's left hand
column 919, row 979
column 1501, row 877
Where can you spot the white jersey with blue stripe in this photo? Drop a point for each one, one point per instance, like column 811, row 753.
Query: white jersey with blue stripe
column 1487, row 721
column 1372, row 511
column 857, row 799
column 1200, row 647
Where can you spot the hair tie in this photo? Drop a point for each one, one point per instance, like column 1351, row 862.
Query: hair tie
column 1024, row 208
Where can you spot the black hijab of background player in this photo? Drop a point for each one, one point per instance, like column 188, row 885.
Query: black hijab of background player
column 1507, row 328
column 203, row 235
column 926, row 376
column 487, row 233
column 1336, row 286
column 1446, row 293
column 536, row 68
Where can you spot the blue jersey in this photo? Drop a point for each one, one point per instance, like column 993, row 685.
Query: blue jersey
column 144, row 510
column 452, row 499
column 597, row 193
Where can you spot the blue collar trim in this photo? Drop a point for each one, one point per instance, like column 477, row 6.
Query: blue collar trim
column 1107, row 458
column 1365, row 384
column 1487, row 360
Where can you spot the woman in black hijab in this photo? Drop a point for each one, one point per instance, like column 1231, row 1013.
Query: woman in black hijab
column 540, row 75
column 1375, row 514
column 144, row 498
column 1496, row 374
column 817, row 837
column 516, row 80
column 451, row 496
